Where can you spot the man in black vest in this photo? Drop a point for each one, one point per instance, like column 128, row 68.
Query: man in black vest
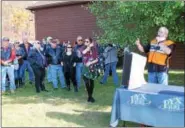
column 26, row 64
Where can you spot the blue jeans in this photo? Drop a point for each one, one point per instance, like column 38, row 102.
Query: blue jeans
column 158, row 78
column 111, row 66
column 79, row 67
column 49, row 77
column 57, row 71
column 10, row 71
column 24, row 66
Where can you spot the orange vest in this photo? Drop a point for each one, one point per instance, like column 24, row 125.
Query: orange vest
column 156, row 55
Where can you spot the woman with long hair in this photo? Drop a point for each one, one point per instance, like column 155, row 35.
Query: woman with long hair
column 90, row 58
column 69, row 63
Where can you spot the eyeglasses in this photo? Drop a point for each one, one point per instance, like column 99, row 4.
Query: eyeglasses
column 69, row 47
column 38, row 42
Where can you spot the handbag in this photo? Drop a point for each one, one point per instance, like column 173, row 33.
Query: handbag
column 90, row 72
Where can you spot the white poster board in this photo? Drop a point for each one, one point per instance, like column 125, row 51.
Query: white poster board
column 137, row 71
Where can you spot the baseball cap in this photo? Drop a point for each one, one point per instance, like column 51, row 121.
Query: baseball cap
column 5, row 39
column 49, row 38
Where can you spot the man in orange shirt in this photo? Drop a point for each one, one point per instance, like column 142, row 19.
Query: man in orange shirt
column 159, row 51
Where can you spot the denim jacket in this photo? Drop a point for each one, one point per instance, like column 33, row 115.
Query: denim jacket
column 36, row 59
column 20, row 52
column 54, row 56
column 6, row 53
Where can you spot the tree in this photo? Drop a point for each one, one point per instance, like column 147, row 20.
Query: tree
column 19, row 20
column 16, row 20
column 124, row 22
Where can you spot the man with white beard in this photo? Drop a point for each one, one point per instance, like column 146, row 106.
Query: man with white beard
column 159, row 51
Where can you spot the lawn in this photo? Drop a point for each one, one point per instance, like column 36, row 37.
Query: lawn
column 61, row 108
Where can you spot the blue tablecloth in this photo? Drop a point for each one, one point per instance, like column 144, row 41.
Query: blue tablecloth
column 151, row 104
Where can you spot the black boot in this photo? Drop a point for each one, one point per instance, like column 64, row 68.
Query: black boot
column 68, row 88
column 92, row 100
column 89, row 99
column 20, row 82
column 17, row 83
column 75, row 89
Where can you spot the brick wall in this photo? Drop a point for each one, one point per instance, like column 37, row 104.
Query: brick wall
column 64, row 23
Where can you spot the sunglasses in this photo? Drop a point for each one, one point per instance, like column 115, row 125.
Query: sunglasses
column 80, row 40
column 69, row 47
column 86, row 41
column 38, row 42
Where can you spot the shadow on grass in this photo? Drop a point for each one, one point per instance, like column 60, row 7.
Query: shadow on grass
column 87, row 118
column 27, row 95
column 83, row 118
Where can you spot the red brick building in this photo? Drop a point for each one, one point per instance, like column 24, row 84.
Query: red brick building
column 66, row 20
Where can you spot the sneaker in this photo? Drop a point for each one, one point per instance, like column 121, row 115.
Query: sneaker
column 45, row 90
column 101, row 83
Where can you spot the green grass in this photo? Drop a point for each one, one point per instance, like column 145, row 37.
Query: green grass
column 60, row 108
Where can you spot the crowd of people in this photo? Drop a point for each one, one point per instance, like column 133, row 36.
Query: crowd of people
column 63, row 61
column 71, row 62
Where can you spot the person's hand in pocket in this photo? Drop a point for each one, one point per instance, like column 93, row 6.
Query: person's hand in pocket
column 62, row 63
